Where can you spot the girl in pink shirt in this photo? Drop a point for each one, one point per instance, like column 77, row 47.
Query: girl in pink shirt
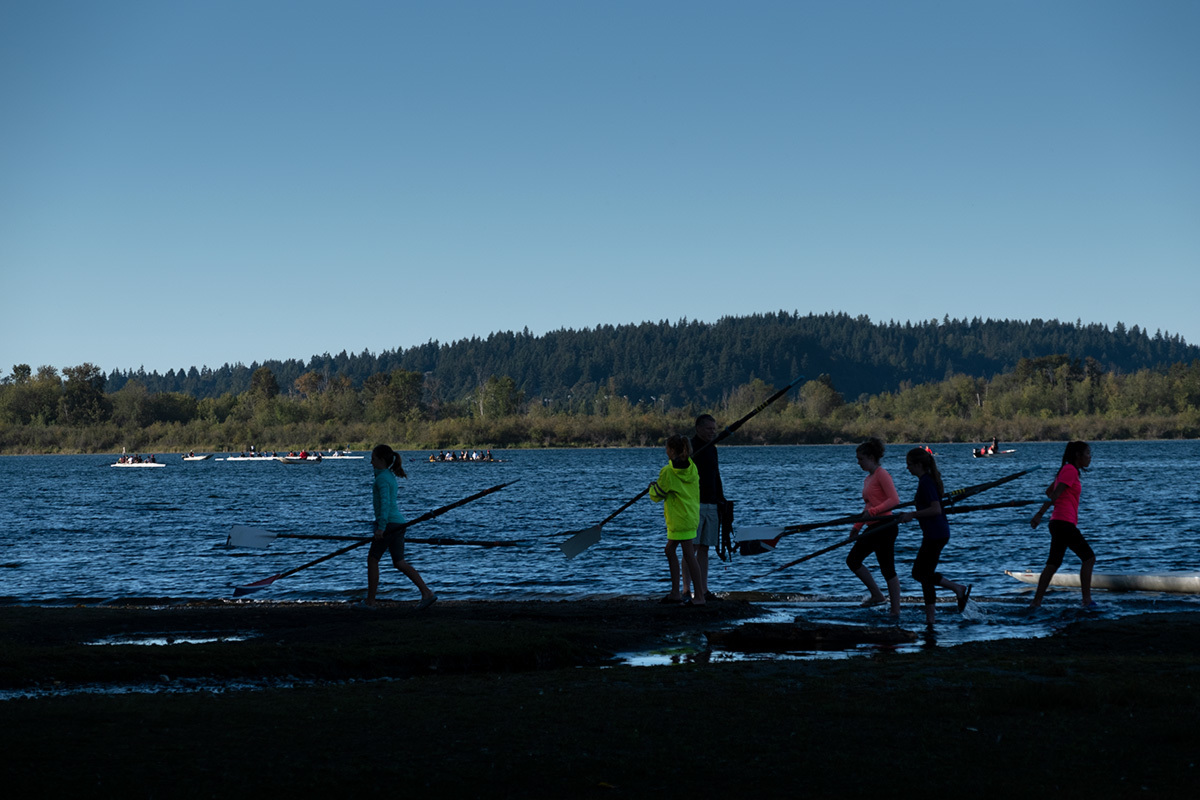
column 879, row 497
column 1064, row 494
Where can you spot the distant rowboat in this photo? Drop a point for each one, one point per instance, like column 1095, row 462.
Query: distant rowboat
column 1176, row 582
column 138, row 464
column 198, row 458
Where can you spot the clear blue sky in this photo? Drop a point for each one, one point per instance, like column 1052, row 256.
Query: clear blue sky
column 192, row 183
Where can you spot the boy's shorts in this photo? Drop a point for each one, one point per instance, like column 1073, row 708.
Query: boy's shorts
column 709, row 532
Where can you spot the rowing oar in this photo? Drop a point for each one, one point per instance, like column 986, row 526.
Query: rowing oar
column 238, row 591
column 775, row 533
column 259, row 539
column 895, row 520
column 582, row 540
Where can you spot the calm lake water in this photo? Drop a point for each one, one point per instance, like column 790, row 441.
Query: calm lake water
column 74, row 530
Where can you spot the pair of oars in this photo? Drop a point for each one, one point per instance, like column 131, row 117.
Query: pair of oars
column 947, row 499
column 582, row 540
column 259, row 539
column 247, row 588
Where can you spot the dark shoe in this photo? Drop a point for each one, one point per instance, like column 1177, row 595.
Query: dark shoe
column 426, row 602
column 962, row 601
column 671, row 601
column 710, row 597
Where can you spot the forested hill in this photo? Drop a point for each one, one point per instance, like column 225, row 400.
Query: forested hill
column 674, row 363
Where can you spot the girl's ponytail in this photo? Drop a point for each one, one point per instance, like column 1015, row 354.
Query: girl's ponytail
column 390, row 457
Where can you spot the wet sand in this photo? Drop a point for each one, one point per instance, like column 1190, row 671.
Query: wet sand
column 496, row 699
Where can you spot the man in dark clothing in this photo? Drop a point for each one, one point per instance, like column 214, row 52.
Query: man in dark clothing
column 708, row 534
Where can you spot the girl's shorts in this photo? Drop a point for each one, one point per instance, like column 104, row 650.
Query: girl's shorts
column 393, row 541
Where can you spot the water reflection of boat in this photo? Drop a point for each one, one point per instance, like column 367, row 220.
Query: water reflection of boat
column 1176, row 582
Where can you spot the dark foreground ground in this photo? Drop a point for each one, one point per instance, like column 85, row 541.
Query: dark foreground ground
column 515, row 700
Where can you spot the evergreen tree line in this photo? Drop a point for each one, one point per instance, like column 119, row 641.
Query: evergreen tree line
column 675, row 364
column 1051, row 397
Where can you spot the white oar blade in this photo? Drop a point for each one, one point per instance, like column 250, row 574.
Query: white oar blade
column 255, row 538
column 580, row 541
column 757, row 533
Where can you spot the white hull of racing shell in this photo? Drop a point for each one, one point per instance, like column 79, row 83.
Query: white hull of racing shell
column 1176, row 582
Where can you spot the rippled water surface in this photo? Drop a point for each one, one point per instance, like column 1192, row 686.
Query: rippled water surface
column 76, row 530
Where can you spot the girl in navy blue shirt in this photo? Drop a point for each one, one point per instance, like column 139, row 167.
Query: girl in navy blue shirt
column 935, row 532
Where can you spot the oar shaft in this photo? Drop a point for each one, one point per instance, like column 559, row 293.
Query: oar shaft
column 894, row 520
column 947, row 498
column 428, row 515
column 729, row 429
column 411, row 540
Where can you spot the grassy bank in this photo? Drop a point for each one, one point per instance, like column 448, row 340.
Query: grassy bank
column 511, row 700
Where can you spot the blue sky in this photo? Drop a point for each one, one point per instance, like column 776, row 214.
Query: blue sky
column 196, row 183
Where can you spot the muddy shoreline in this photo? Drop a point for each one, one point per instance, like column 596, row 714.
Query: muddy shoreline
column 520, row 700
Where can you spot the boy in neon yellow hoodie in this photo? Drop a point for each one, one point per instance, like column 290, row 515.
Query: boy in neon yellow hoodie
column 678, row 489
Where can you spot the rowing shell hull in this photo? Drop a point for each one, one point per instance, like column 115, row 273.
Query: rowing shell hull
column 142, row 464
column 1175, row 582
column 998, row 453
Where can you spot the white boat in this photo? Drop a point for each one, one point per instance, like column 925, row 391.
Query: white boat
column 198, row 458
column 138, row 464
column 266, row 459
column 984, row 453
column 1176, row 582
column 298, row 460
column 343, row 456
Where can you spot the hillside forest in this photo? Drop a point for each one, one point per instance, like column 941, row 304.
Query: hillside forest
column 953, row 381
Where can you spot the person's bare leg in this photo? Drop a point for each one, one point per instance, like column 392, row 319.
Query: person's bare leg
column 1085, row 580
column 868, row 580
column 893, row 587
column 372, row 580
column 411, row 573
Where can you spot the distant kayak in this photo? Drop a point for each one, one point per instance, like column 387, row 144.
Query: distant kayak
column 1176, row 582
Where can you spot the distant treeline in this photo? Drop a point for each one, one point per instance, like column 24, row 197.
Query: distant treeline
column 1047, row 398
column 675, row 364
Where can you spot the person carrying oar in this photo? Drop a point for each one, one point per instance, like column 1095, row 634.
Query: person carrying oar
column 935, row 532
column 390, row 526
column 678, row 489
column 879, row 497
